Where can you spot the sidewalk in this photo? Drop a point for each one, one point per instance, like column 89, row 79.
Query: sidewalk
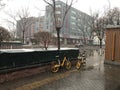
column 96, row 76
column 96, row 60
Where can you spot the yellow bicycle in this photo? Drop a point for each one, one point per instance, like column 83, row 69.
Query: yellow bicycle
column 81, row 61
column 56, row 65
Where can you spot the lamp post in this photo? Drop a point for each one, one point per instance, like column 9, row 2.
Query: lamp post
column 58, row 37
column 58, row 27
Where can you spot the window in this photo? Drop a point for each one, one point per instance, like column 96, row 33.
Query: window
column 73, row 23
column 73, row 12
column 58, row 6
column 73, row 17
column 73, row 28
column 47, row 26
column 79, row 19
column 36, row 27
column 57, row 12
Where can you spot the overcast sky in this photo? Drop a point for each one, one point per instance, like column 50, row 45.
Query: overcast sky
column 36, row 5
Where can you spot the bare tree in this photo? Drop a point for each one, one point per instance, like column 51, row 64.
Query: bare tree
column 4, row 35
column 99, row 25
column 110, row 17
column 92, row 25
column 57, row 19
column 100, row 29
column 44, row 38
column 113, row 16
column 22, row 20
column 87, row 25
column 84, row 26
column 1, row 4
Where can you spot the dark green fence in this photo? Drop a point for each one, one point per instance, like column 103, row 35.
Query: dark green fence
column 20, row 59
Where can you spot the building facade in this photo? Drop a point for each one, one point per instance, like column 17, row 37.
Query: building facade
column 29, row 26
column 74, row 25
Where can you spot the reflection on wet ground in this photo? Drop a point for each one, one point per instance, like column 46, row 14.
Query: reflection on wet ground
column 96, row 76
column 112, row 77
column 88, row 80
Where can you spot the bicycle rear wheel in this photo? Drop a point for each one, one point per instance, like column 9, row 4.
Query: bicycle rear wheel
column 68, row 64
column 78, row 65
column 54, row 67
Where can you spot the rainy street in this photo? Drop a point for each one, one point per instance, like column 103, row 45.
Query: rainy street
column 87, row 80
column 60, row 45
column 94, row 76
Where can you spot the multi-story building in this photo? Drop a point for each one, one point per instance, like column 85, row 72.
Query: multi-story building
column 74, row 23
column 29, row 26
column 71, row 32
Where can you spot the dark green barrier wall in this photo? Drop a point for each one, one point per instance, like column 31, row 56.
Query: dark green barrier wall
column 19, row 59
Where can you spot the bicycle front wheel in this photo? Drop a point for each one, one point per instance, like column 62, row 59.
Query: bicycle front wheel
column 68, row 64
column 78, row 65
column 55, row 67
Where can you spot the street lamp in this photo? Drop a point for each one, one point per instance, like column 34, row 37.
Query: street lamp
column 58, row 37
column 58, row 27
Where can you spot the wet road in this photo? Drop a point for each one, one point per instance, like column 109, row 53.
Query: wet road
column 91, row 79
column 96, row 76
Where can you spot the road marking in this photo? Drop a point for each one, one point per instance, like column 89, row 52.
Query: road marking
column 40, row 83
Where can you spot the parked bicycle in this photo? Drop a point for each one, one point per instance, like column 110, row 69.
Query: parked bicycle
column 60, row 63
column 81, row 60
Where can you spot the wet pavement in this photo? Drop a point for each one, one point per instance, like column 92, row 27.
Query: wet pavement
column 95, row 76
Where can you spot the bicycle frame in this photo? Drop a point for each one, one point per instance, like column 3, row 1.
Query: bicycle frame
column 63, row 61
column 81, row 61
column 56, row 67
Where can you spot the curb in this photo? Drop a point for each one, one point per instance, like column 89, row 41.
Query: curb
column 112, row 62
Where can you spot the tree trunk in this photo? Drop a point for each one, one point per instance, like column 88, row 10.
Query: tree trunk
column 100, row 46
column 58, row 38
column 0, row 45
column 23, row 36
column 100, row 43
column 44, row 46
